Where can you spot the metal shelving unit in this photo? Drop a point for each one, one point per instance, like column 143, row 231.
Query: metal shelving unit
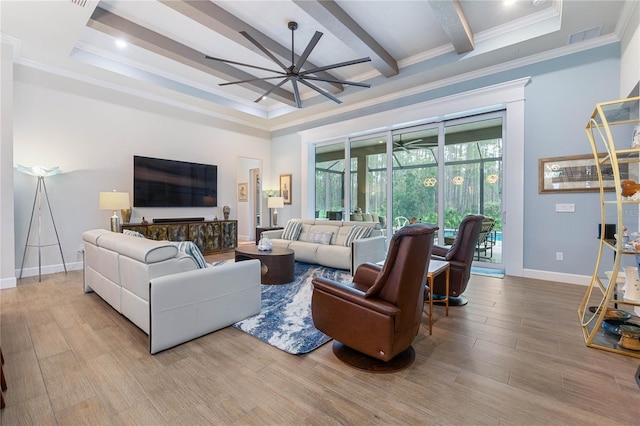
column 610, row 130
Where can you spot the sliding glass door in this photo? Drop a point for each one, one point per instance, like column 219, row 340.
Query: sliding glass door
column 415, row 176
column 436, row 173
column 472, row 180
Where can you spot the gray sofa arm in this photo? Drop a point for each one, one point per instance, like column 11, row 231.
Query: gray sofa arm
column 373, row 249
column 191, row 304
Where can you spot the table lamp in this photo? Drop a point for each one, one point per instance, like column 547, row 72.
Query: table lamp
column 114, row 201
column 275, row 203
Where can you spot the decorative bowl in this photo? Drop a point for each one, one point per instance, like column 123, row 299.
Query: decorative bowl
column 610, row 313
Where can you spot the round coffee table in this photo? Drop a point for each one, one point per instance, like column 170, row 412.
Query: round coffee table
column 278, row 264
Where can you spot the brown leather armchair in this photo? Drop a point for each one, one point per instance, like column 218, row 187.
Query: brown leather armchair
column 378, row 314
column 460, row 257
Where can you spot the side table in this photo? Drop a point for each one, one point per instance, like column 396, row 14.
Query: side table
column 261, row 229
column 436, row 267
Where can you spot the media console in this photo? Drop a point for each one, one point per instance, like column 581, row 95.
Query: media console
column 209, row 235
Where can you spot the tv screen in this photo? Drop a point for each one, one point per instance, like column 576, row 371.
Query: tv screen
column 168, row 183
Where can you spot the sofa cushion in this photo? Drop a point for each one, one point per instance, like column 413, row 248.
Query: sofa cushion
column 356, row 233
column 292, row 230
column 305, row 251
column 320, row 237
column 334, row 256
column 144, row 250
column 190, row 249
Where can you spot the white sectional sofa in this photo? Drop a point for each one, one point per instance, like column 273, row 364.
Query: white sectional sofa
column 163, row 292
column 324, row 242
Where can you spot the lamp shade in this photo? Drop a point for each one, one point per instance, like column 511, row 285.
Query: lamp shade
column 39, row 171
column 114, row 200
column 275, row 202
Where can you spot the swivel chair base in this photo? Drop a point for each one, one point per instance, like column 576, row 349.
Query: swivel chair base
column 453, row 300
column 364, row 362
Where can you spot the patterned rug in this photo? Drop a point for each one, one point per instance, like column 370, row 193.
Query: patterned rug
column 285, row 319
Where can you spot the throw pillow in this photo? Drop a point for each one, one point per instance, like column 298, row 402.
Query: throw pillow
column 292, row 230
column 192, row 250
column 356, row 233
column 132, row 233
column 320, row 237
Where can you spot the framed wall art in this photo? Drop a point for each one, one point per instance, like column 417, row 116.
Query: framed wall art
column 243, row 191
column 285, row 188
column 576, row 173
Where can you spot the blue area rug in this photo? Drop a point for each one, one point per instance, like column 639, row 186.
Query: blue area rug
column 487, row 272
column 285, row 319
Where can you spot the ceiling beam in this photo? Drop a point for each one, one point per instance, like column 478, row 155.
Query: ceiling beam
column 219, row 20
column 452, row 20
column 336, row 20
column 116, row 26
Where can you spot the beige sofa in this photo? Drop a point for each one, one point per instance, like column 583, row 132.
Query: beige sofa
column 163, row 292
column 333, row 253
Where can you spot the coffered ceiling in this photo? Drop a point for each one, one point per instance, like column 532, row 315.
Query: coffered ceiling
column 413, row 45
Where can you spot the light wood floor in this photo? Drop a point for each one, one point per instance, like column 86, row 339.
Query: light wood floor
column 513, row 356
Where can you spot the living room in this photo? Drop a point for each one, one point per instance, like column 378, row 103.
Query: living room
column 98, row 123
column 92, row 132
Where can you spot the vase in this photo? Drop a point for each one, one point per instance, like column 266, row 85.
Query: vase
column 631, row 289
column 226, row 210
column 126, row 215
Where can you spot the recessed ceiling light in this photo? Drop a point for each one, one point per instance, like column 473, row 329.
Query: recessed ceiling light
column 121, row 43
column 509, row 2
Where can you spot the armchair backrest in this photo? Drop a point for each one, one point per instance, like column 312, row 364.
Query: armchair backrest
column 402, row 279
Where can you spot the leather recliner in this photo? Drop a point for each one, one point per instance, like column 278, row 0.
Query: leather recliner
column 460, row 257
column 379, row 313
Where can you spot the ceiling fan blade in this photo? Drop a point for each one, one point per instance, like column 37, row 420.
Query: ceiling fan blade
column 250, row 80
column 341, row 64
column 263, row 50
column 319, row 90
column 296, row 92
column 244, row 65
column 332, row 80
column 312, row 44
column 284, row 80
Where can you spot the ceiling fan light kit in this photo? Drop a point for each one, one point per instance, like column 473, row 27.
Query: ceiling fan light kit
column 295, row 72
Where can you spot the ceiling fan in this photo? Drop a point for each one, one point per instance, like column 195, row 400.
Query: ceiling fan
column 295, row 72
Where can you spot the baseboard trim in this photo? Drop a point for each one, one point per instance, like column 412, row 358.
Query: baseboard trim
column 8, row 283
column 557, row 276
column 49, row 269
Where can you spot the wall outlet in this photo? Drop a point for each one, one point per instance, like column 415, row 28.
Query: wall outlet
column 81, row 248
column 559, row 255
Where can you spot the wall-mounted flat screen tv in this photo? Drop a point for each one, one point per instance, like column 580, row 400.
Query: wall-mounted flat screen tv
column 169, row 183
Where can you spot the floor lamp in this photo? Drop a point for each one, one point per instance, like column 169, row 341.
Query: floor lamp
column 41, row 191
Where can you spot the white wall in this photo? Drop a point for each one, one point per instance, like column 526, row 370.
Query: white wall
column 286, row 159
column 92, row 134
column 7, row 253
column 630, row 53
